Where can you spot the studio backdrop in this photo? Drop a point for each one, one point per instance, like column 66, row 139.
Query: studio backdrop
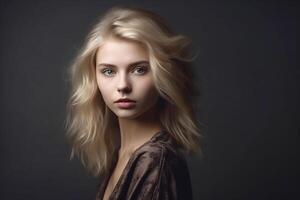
column 249, row 108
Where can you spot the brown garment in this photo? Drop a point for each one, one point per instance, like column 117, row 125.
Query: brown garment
column 157, row 170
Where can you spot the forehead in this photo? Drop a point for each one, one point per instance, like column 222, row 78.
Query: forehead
column 120, row 51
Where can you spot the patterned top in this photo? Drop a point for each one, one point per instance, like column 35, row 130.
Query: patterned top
column 157, row 170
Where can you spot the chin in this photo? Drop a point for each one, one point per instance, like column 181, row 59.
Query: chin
column 129, row 114
column 126, row 114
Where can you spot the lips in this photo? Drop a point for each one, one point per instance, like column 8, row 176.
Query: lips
column 124, row 100
column 125, row 103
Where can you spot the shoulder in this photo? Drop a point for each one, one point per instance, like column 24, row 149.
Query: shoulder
column 160, row 153
column 160, row 170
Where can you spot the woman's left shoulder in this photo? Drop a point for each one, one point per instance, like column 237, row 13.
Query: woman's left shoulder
column 162, row 150
column 160, row 169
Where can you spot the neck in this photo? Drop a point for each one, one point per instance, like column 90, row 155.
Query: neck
column 135, row 132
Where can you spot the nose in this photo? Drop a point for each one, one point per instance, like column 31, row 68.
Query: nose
column 124, row 84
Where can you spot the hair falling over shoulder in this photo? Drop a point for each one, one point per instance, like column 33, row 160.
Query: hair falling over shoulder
column 91, row 128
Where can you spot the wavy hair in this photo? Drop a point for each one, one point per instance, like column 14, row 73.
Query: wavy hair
column 92, row 128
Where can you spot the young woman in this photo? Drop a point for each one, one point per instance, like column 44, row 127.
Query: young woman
column 131, row 109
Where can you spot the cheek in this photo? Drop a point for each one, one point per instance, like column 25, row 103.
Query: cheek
column 104, row 89
column 148, row 90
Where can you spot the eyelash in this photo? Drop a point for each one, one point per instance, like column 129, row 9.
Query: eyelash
column 103, row 71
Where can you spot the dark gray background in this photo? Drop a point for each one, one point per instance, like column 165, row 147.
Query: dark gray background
column 247, row 68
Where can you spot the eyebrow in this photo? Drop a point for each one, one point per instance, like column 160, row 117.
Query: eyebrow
column 130, row 65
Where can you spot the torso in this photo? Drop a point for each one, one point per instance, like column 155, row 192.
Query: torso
column 122, row 161
column 160, row 153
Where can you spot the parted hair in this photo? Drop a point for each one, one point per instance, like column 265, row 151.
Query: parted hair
column 91, row 127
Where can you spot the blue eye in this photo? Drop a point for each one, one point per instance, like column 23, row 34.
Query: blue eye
column 107, row 72
column 140, row 70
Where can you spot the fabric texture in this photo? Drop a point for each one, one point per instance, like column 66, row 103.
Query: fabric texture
column 157, row 170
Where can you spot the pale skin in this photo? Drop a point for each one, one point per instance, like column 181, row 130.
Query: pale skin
column 123, row 71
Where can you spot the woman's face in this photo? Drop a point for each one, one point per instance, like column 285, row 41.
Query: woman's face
column 123, row 71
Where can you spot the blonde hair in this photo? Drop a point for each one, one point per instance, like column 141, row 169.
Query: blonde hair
column 92, row 128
